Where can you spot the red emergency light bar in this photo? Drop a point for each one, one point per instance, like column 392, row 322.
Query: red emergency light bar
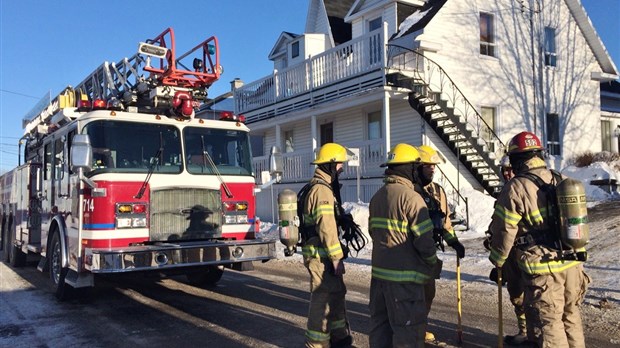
column 229, row 116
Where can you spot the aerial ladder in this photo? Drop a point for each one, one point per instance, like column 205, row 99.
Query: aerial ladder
column 152, row 81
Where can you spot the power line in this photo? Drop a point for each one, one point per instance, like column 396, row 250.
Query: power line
column 20, row 94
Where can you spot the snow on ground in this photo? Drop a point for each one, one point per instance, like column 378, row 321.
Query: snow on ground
column 603, row 260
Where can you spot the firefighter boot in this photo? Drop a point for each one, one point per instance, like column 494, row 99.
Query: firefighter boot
column 343, row 343
column 521, row 337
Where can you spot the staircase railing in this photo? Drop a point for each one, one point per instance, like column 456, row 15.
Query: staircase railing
column 438, row 81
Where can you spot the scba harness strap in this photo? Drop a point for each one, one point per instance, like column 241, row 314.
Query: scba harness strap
column 348, row 230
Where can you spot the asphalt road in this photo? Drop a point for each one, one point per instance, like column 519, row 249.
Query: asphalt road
column 266, row 307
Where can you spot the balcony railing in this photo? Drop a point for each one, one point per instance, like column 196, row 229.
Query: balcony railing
column 297, row 167
column 349, row 60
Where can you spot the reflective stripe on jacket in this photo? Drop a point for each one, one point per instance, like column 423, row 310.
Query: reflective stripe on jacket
column 521, row 208
column 319, row 212
column 402, row 234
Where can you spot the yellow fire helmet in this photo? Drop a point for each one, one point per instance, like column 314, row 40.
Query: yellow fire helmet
column 331, row 152
column 428, row 155
column 401, row 154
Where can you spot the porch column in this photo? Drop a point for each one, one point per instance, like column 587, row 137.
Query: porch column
column 313, row 133
column 385, row 119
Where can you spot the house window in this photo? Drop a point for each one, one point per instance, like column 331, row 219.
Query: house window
column 288, row 141
column 258, row 145
column 488, row 133
column 327, row 133
column 550, row 53
column 295, row 49
column 374, row 24
column 553, row 134
column 487, row 35
column 606, row 135
column 374, row 125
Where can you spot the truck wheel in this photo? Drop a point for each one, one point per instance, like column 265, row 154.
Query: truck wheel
column 15, row 255
column 5, row 246
column 209, row 275
column 57, row 272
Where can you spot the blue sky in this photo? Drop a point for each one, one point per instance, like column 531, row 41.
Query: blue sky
column 47, row 45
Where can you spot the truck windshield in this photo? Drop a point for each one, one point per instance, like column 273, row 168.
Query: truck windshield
column 131, row 147
column 229, row 150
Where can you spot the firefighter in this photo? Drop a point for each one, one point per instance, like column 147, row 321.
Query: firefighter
column 435, row 198
column 511, row 275
column 554, row 285
column 323, row 254
column 404, row 257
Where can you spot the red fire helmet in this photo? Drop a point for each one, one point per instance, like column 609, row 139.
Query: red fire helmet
column 524, row 142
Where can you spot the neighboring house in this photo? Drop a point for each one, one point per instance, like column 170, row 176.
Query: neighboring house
column 462, row 76
column 610, row 116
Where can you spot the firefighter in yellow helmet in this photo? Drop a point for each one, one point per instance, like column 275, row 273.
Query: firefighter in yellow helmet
column 435, row 198
column 554, row 279
column 323, row 253
column 511, row 274
column 404, row 257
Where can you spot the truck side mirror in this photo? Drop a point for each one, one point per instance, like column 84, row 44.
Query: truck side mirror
column 276, row 163
column 81, row 153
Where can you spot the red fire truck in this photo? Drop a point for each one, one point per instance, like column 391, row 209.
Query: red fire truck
column 119, row 175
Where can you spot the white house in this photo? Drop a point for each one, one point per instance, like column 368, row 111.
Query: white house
column 462, row 76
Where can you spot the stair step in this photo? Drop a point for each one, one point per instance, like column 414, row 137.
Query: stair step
column 442, row 117
column 427, row 103
column 434, row 111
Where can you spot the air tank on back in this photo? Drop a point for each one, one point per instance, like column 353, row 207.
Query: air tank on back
column 288, row 223
column 574, row 230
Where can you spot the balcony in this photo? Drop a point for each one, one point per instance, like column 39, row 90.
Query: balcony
column 343, row 70
column 297, row 167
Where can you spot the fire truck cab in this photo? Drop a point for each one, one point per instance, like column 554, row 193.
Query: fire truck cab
column 121, row 176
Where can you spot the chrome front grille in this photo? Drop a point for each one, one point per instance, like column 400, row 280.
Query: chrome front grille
column 185, row 214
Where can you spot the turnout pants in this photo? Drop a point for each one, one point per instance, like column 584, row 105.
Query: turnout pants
column 552, row 308
column 516, row 287
column 398, row 314
column 327, row 319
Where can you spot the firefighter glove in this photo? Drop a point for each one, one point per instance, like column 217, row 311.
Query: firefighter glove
column 493, row 276
column 458, row 247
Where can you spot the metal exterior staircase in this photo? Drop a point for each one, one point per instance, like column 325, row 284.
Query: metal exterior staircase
column 448, row 112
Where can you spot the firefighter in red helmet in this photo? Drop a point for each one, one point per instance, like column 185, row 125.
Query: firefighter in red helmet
column 511, row 275
column 554, row 285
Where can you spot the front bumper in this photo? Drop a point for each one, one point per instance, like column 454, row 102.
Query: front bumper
column 164, row 256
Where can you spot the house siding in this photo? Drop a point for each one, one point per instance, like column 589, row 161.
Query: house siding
column 505, row 82
column 514, row 82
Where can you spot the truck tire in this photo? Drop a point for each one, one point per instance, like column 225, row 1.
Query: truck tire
column 62, row 290
column 208, row 276
column 4, row 233
column 16, row 257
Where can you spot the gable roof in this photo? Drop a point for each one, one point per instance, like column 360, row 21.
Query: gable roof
column 594, row 41
column 280, row 47
column 361, row 7
column 336, row 11
column 419, row 19
column 327, row 17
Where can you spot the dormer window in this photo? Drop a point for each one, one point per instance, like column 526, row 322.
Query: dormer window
column 295, row 49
